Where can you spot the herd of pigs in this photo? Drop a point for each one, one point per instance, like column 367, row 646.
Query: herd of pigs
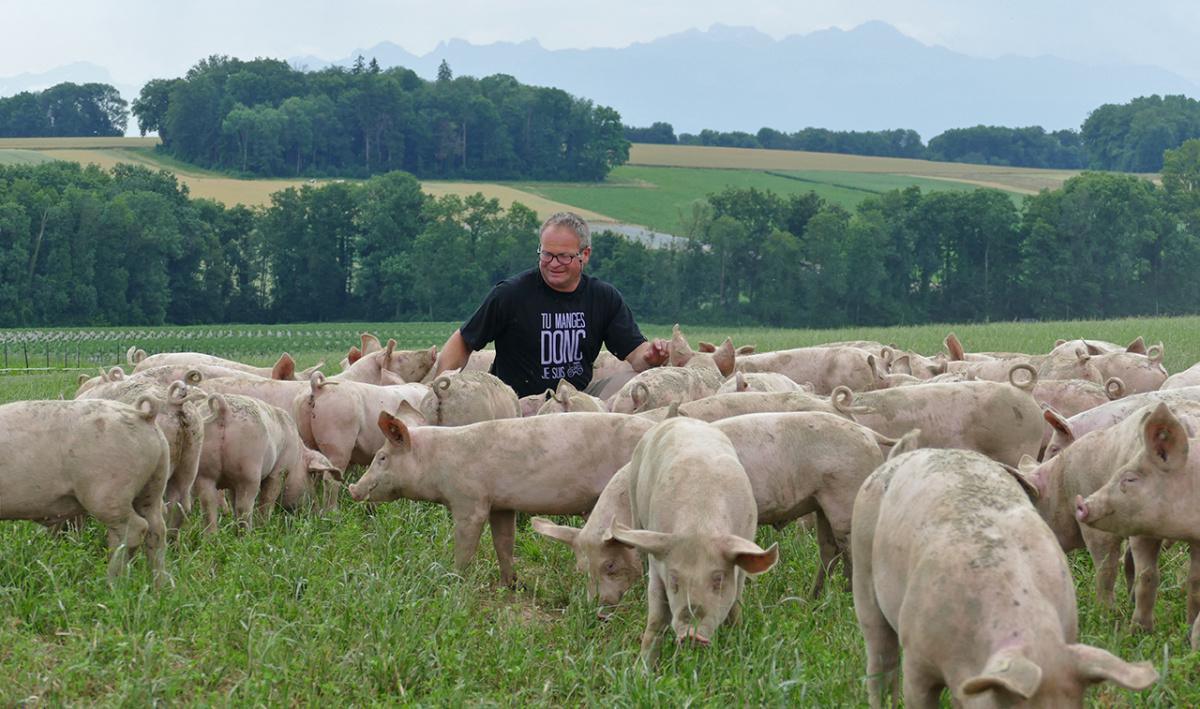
column 949, row 487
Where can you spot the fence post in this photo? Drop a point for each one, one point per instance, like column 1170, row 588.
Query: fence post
column 6, row 354
column 25, row 349
column 47, row 354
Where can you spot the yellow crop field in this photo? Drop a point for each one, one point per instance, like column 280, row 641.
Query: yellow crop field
column 1014, row 179
column 107, row 152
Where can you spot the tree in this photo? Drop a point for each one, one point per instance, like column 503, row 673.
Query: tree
column 443, row 73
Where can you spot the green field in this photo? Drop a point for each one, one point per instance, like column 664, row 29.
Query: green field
column 662, row 197
column 657, row 189
column 363, row 606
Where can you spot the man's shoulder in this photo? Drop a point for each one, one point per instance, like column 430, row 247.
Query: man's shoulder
column 520, row 282
column 602, row 289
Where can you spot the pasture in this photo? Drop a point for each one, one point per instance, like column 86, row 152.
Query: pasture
column 363, row 606
column 656, row 189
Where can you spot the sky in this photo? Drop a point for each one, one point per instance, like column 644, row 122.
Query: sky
column 141, row 39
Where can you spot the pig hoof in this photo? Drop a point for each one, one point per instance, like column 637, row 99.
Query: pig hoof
column 694, row 637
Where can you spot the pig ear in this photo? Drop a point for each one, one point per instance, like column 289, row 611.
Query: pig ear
column 1138, row 346
column 354, row 355
column 389, row 350
column 954, row 347
column 1006, row 670
column 645, row 541
column 745, row 350
column 749, row 556
column 679, row 352
column 1032, row 490
column 1058, row 423
column 395, row 430
column 370, row 343
column 1082, row 354
column 558, row 532
column 411, row 415
column 724, row 357
column 640, row 393
column 1059, row 341
column 707, row 347
column 1096, row 665
column 81, row 379
column 910, row 441
column 565, row 388
column 902, row 364
column 1092, row 349
column 1165, row 438
column 285, row 368
column 739, row 381
column 1027, row 464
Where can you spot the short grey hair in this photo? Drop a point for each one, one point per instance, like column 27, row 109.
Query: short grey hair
column 572, row 221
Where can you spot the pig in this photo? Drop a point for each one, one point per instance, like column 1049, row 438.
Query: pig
column 1151, row 492
column 721, row 406
column 1081, row 469
column 991, row 370
column 797, row 463
column 958, row 354
column 1140, row 372
column 477, row 361
column 999, row 420
column 1068, row 430
column 92, row 456
column 1072, row 396
column 1077, row 365
column 694, row 516
column 1189, row 377
column 284, row 368
column 253, row 449
column 567, row 398
column 1099, row 347
column 952, row 561
column 691, row 376
column 85, row 383
column 340, row 418
column 193, row 374
column 411, row 365
column 825, row 367
column 181, row 422
column 917, row 365
column 470, row 397
column 368, row 343
column 276, row 392
column 758, row 381
column 530, row 405
column 610, row 567
column 489, row 471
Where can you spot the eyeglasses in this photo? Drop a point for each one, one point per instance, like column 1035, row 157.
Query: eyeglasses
column 563, row 259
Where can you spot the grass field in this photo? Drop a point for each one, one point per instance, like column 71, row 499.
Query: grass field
column 362, row 606
column 644, row 192
column 662, row 197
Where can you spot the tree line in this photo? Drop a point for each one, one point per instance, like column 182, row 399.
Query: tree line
column 82, row 246
column 64, row 109
column 264, row 117
column 1129, row 137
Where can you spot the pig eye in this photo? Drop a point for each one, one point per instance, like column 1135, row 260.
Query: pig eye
column 1128, row 479
column 610, row 566
column 718, row 580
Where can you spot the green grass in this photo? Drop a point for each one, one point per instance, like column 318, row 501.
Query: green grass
column 363, row 607
column 662, row 197
column 14, row 156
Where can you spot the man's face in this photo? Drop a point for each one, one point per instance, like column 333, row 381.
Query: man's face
column 561, row 240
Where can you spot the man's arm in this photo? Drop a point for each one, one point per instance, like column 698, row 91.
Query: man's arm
column 651, row 353
column 455, row 353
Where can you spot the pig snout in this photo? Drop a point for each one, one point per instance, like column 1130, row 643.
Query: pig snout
column 692, row 635
column 360, row 492
column 1081, row 509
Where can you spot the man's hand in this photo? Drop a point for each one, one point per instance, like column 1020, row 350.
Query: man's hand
column 652, row 353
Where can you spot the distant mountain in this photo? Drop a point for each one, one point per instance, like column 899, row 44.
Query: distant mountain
column 736, row 78
column 77, row 72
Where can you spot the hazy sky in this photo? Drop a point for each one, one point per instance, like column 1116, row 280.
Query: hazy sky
column 140, row 39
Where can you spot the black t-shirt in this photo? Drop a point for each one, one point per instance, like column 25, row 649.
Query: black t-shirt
column 543, row 335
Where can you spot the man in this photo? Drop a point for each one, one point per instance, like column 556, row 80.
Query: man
column 548, row 322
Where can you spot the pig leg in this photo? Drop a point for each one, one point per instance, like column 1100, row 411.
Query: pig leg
column 504, row 531
column 883, row 645
column 921, row 689
column 468, row 527
column 151, row 510
column 828, row 552
column 210, row 502
column 126, row 530
column 1106, row 557
column 658, row 614
column 245, row 492
column 340, row 454
column 268, row 494
column 1145, row 586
